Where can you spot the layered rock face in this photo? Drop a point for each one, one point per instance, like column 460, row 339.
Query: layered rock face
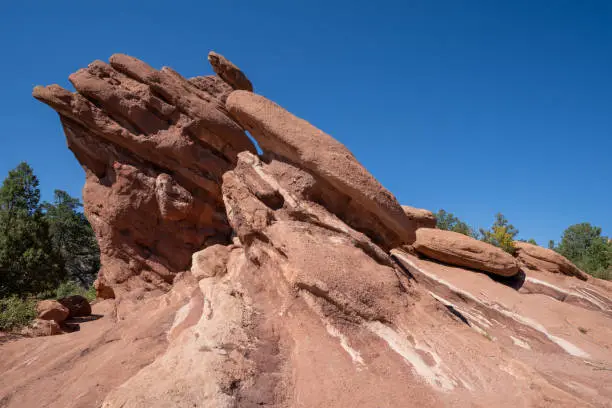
column 300, row 288
column 340, row 182
column 154, row 147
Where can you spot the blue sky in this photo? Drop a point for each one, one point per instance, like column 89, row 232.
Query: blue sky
column 476, row 107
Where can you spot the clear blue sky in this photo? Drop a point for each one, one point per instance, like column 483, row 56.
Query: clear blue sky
column 471, row 106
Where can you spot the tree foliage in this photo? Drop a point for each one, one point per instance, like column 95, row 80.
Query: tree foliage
column 584, row 245
column 73, row 238
column 448, row 221
column 28, row 263
column 501, row 234
column 42, row 245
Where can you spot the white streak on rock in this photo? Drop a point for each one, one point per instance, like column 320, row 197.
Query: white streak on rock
column 520, row 343
column 434, row 376
column 333, row 331
column 564, row 344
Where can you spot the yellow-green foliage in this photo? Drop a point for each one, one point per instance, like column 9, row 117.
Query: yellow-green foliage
column 501, row 234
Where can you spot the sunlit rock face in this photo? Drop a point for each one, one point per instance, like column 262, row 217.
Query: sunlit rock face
column 154, row 147
column 287, row 279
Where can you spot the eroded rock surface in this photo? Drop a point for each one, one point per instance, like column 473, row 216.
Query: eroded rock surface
column 154, row 147
column 352, row 192
column 229, row 72
column 293, row 297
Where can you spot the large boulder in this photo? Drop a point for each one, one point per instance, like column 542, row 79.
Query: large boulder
column 42, row 327
column 458, row 249
column 52, row 310
column 77, row 305
column 534, row 257
column 421, row 217
column 351, row 192
column 154, row 147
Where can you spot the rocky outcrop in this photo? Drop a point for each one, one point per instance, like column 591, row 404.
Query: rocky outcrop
column 52, row 310
column 77, row 305
column 534, row 257
column 458, row 249
column 154, row 147
column 292, row 297
column 230, row 73
column 346, row 187
column 422, row 218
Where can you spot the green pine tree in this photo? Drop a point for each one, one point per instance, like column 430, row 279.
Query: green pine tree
column 28, row 263
column 73, row 238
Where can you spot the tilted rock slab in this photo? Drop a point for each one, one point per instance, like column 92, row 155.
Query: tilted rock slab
column 457, row 249
column 534, row 257
column 154, row 147
column 229, row 72
column 353, row 194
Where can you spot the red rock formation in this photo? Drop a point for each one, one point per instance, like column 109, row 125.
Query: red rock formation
column 345, row 186
column 534, row 257
column 304, row 306
column 422, row 218
column 230, row 73
column 458, row 249
column 154, row 147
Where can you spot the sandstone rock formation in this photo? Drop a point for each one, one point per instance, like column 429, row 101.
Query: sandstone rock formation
column 346, row 187
column 230, row 73
column 77, row 306
column 52, row 310
column 294, row 297
column 154, row 147
column 421, row 217
column 454, row 248
column 534, row 257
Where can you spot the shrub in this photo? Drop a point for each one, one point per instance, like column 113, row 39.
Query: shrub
column 16, row 312
column 70, row 288
column 501, row 234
